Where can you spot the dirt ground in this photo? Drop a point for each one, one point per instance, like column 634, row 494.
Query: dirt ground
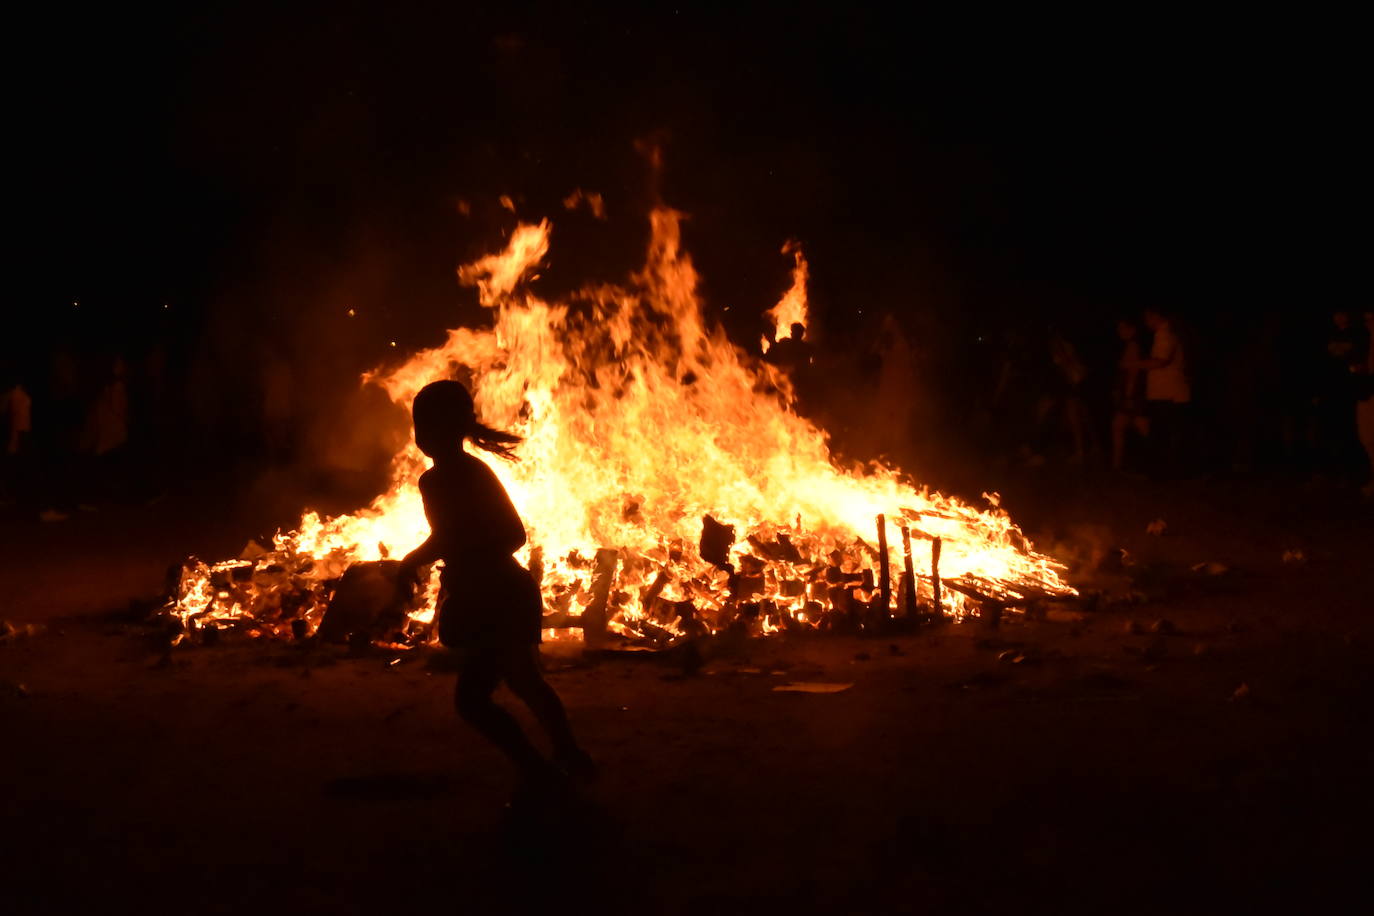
column 1218, row 765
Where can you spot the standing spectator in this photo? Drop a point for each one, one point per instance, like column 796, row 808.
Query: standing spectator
column 1128, row 392
column 16, row 423
column 1364, row 406
column 1337, row 445
column 1063, row 395
column 107, row 431
column 59, row 432
column 1168, row 393
column 791, row 353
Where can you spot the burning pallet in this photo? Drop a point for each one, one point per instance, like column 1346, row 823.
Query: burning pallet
column 758, row 587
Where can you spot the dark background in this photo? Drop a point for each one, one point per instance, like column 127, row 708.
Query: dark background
column 235, row 179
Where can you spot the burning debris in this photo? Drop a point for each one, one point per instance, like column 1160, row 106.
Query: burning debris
column 670, row 487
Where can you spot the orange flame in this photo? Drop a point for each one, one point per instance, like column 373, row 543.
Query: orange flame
column 639, row 419
column 791, row 308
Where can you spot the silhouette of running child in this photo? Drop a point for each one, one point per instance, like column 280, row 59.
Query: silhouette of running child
column 489, row 605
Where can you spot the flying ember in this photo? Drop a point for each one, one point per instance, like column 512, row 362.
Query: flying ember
column 669, row 485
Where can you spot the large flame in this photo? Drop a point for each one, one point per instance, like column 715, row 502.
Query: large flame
column 640, row 419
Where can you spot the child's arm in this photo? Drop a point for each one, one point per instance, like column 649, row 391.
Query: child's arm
column 408, row 577
column 430, row 550
column 423, row 555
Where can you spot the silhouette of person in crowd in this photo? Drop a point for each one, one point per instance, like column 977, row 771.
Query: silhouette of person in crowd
column 1063, row 395
column 1335, row 399
column 16, row 425
column 59, row 430
column 105, row 436
column 1364, row 403
column 791, row 353
column 489, row 605
column 1168, row 391
column 1128, row 392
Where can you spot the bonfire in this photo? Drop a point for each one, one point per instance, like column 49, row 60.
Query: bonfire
column 670, row 485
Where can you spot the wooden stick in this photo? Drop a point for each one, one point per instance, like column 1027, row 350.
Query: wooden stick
column 594, row 617
column 660, row 581
column 909, row 580
column 884, row 573
column 939, row 609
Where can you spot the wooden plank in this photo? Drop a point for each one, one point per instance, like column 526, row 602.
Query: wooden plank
column 884, row 573
column 908, row 580
column 938, row 610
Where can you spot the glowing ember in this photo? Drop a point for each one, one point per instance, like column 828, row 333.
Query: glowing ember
column 641, row 420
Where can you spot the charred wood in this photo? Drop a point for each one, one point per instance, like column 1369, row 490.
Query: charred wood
column 651, row 594
column 716, row 541
column 594, row 618
column 990, row 607
column 908, row 574
column 937, row 600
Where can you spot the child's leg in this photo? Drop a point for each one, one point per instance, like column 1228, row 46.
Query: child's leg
column 527, row 682
column 478, row 680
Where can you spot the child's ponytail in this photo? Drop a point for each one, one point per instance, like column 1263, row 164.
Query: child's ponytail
column 494, row 440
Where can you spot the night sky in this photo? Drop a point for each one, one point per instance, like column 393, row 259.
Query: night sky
column 279, row 165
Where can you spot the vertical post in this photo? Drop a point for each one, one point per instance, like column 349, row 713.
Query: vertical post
column 939, row 609
column 884, row 573
column 594, row 617
column 908, row 580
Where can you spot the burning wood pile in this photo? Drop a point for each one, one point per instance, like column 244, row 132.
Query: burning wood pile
column 669, row 486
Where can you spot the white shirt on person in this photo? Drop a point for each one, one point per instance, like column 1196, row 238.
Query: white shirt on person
column 1168, row 382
